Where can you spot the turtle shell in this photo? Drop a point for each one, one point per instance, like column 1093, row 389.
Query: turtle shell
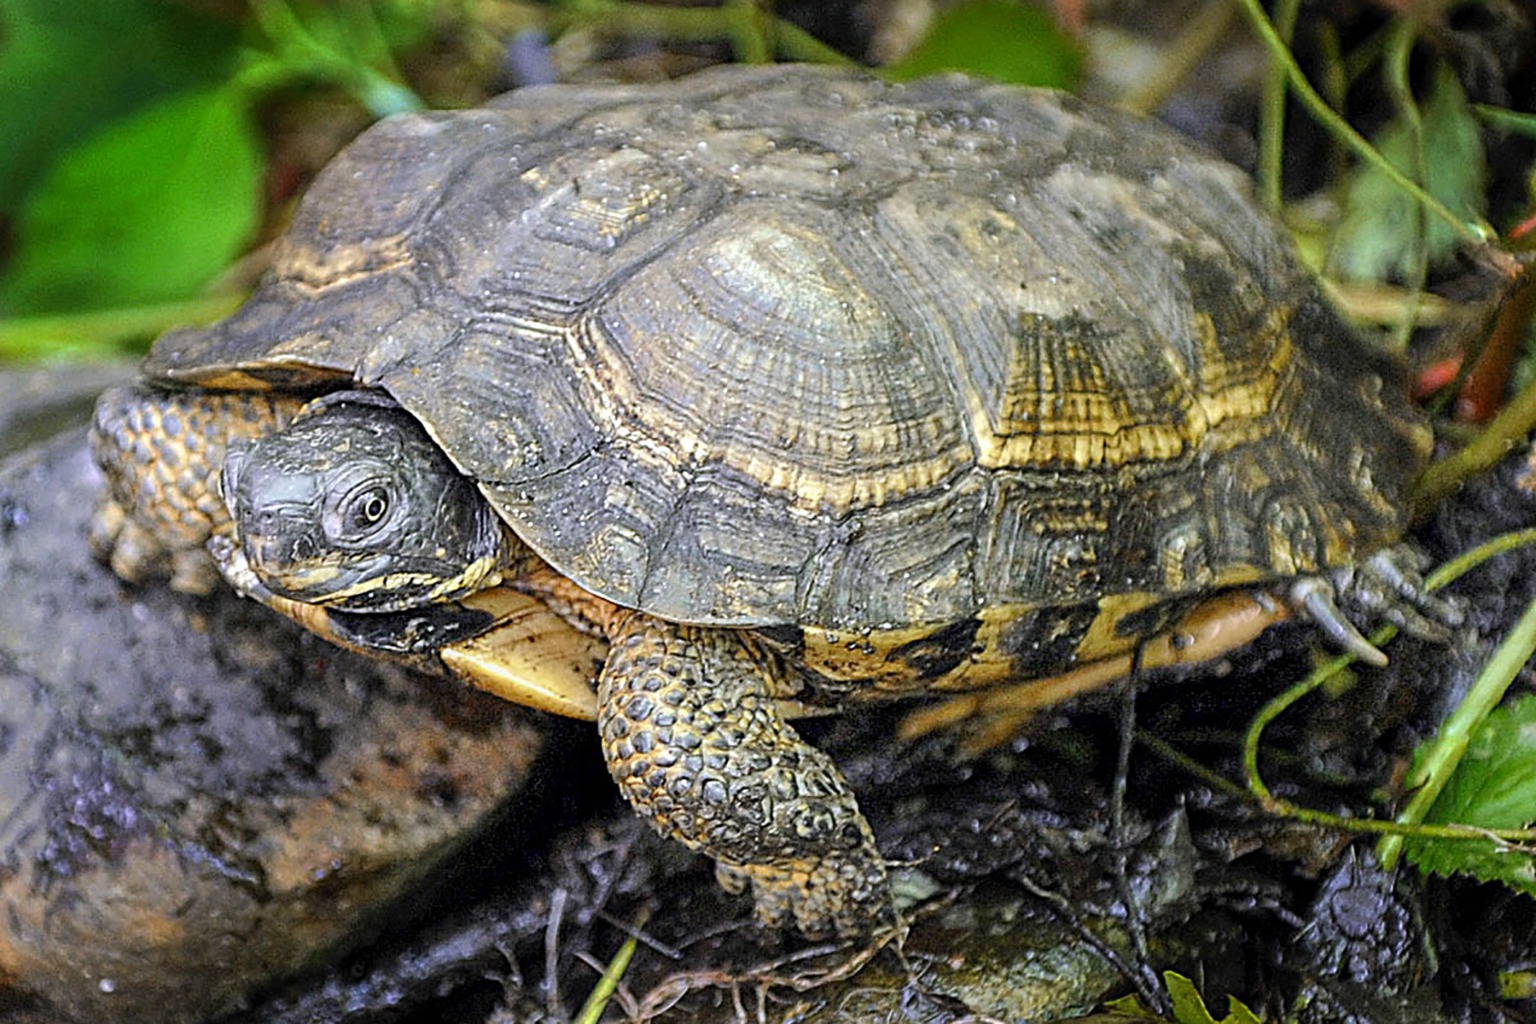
column 789, row 345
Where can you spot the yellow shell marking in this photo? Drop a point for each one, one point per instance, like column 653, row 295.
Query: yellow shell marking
column 1046, row 424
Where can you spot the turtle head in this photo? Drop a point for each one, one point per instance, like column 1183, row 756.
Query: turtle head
column 353, row 506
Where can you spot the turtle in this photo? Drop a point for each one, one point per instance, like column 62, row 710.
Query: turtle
column 789, row 388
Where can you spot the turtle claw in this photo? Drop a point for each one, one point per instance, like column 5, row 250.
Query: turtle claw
column 232, row 564
column 1315, row 596
column 1390, row 584
column 1386, row 588
column 1389, row 587
column 834, row 895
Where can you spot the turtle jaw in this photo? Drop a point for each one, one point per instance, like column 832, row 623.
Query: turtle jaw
column 291, row 564
column 376, row 583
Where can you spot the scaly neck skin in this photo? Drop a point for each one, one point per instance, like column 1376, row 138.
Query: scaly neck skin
column 527, row 573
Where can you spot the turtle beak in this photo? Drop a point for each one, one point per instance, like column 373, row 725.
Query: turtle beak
column 278, row 542
column 276, row 517
column 281, row 550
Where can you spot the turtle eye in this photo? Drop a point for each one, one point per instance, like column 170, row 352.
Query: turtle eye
column 365, row 510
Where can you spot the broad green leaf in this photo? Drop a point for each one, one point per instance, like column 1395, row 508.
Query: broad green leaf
column 70, row 68
column 105, row 332
column 1382, row 234
column 997, row 39
column 149, row 210
column 1493, row 787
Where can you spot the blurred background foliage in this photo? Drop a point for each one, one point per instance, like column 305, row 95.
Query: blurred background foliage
column 149, row 147
column 135, row 168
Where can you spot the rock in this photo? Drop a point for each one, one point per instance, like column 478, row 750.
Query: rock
column 36, row 404
column 195, row 797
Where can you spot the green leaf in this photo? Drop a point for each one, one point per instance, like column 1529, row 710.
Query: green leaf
column 351, row 46
column 1131, row 1007
column 1493, row 787
column 71, row 68
column 1188, row 1005
column 147, row 211
column 1382, row 234
column 997, row 39
column 105, row 332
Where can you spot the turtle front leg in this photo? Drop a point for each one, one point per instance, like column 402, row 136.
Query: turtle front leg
column 162, row 453
column 693, row 737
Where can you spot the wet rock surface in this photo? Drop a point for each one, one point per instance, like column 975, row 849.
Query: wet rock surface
column 196, row 798
column 37, row 404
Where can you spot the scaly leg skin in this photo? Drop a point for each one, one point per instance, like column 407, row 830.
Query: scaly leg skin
column 693, row 737
column 162, row 453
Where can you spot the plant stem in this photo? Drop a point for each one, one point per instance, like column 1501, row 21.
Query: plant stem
column 1474, row 233
column 1455, row 734
column 1272, row 107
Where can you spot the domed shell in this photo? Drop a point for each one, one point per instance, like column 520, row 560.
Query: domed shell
column 790, row 345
